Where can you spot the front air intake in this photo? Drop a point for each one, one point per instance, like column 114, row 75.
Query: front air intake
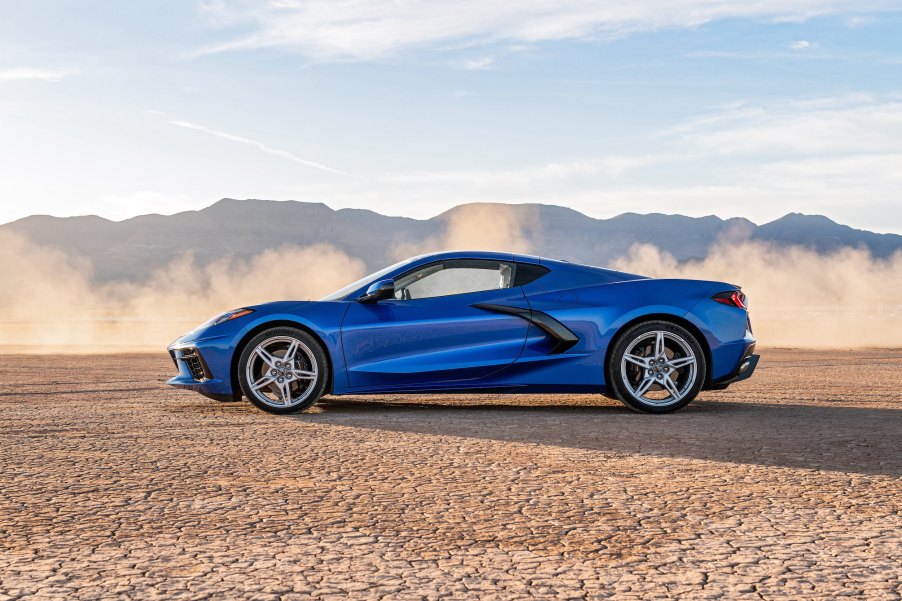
column 195, row 364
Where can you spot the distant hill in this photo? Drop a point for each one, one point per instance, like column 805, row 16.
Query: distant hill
column 133, row 248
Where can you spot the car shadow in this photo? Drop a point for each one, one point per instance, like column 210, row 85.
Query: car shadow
column 822, row 437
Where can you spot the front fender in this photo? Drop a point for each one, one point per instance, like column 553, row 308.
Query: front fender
column 219, row 344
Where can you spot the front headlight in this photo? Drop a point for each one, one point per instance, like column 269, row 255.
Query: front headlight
column 227, row 316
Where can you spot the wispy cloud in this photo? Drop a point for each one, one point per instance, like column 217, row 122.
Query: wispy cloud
column 757, row 55
column 373, row 29
column 477, row 64
column 836, row 125
column 607, row 167
column 33, row 74
column 842, row 155
column 259, row 146
column 800, row 45
column 860, row 21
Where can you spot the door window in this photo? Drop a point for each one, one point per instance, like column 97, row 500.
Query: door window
column 459, row 276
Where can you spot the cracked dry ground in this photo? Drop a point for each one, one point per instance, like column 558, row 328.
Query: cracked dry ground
column 788, row 485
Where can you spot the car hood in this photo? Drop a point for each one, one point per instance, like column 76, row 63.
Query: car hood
column 206, row 330
column 279, row 306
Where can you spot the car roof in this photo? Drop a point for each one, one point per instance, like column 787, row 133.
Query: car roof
column 479, row 254
column 554, row 264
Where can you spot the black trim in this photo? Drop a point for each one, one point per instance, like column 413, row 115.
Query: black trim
column 528, row 273
column 195, row 363
column 747, row 366
column 563, row 337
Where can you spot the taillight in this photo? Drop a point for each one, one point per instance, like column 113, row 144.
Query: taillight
column 734, row 298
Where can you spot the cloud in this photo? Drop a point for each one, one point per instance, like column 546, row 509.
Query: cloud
column 800, row 45
column 849, row 124
column 375, row 29
column 860, row 21
column 258, row 145
column 33, row 74
column 608, row 167
column 478, row 64
column 837, row 155
column 760, row 55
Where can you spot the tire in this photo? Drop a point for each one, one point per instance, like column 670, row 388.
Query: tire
column 266, row 379
column 656, row 367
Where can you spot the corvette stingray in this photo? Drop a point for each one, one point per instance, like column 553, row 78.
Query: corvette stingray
column 459, row 322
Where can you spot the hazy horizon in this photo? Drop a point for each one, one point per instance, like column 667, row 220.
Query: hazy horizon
column 793, row 302
column 434, row 215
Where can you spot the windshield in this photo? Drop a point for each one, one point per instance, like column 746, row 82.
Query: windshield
column 373, row 277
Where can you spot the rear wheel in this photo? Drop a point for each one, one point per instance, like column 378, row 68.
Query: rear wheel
column 283, row 370
column 656, row 367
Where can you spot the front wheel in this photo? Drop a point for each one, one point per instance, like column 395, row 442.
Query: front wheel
column 283, row 370
column 656, row 367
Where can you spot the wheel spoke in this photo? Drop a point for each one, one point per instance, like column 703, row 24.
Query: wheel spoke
column 636, row 360
column 285, row 389
column 291, row 352
column 659, row 344
column 680, row 362
column 266, row 356
column 644, row 386
column 671, row 387
column 300, row 374
column 266, row 380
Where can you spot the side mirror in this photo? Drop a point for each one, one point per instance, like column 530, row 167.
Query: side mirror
column 378, row 291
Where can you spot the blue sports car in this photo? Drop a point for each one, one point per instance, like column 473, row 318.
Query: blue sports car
column 479, row 321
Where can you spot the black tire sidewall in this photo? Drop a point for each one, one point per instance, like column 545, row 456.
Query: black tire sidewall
column 318, row 353
column 612, row 369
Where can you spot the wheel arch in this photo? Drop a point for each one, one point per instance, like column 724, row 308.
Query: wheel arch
column 674, row 319
column 276, row 323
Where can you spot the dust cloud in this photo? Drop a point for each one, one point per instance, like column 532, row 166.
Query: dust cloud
column 798, row 298
column 49, row 300
column 483, row 226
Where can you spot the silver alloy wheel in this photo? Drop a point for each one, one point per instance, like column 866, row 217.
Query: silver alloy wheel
column 281, row 372
column 659, row 368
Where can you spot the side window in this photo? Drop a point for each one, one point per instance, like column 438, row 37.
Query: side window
column 528, row 273
column 458, row 276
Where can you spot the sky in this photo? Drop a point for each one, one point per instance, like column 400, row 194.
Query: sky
column 409, row 107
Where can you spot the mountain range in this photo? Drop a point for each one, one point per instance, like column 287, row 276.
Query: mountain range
column 134, row 248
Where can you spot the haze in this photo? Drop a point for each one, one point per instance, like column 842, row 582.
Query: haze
column 50, row 301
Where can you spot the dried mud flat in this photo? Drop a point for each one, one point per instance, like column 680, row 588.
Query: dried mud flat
column 786, row 486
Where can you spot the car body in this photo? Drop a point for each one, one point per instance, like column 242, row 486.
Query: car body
column 546, row 326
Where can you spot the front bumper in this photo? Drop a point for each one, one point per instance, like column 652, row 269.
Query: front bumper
column 194, row 373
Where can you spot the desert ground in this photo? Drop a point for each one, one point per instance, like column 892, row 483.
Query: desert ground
column 788, row 485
